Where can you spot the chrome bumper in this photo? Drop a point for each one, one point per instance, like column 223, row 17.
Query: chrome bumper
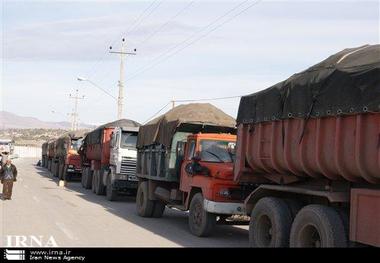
column 224, row 208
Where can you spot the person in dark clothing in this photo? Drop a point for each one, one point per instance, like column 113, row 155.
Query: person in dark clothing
column 8, row 174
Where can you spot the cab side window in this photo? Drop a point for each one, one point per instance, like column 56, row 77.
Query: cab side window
column 191, row 150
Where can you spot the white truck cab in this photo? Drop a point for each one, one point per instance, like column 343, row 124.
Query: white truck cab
column 123, row 157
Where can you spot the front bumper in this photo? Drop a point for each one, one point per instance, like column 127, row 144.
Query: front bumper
column 222, row 208
column 124, row 185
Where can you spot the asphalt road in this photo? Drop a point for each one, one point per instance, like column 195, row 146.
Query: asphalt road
column 76, row 217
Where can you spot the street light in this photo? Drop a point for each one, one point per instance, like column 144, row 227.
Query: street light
column 97, row 86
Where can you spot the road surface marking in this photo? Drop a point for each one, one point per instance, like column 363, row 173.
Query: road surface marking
column 67, row 232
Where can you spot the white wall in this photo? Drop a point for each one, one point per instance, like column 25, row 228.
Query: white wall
column 27, row 151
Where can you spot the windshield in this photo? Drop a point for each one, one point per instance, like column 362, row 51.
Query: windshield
column 217, row 151
column 76, row 144
column 128, row 140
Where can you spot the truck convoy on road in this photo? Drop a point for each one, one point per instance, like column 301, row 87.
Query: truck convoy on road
column 108, row 157
column 302, row 161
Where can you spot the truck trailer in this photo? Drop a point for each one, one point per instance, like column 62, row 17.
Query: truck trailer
column 311, row 147
column 44, row 153
column 108, row 157
column 185, row 161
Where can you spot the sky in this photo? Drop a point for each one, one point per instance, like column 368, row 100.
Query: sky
column 184, row 50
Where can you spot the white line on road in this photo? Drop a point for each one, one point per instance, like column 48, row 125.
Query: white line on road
column 67, row 232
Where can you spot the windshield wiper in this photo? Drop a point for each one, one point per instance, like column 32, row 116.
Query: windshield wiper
column 220, row 159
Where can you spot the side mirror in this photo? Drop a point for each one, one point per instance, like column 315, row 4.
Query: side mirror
column 180, row 149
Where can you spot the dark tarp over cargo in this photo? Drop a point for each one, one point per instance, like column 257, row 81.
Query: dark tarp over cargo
column 66, row 138
column 94, row 137
column 194, row 117
column 345, row 83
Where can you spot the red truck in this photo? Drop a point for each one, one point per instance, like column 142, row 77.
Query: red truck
column 67, row 159
column 311, row 147
column 108, row 157
column 185, row 161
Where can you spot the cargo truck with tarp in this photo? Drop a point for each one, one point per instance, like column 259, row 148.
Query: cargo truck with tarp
column 51, row 155
column 312, row 145
column 108, row 158
column 67, row 159
column 185, row 161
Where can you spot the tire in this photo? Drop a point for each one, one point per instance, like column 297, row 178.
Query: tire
column 318, row 226
column 93, row 182
column 60, row 171
column 65, row 174
column 111, row 194
column 201, row 222
column 99, row 187
column 83, row 177
column 270, row 223
column 144, row 206
column 49, row 165
column 158, row 209
column 89, row 178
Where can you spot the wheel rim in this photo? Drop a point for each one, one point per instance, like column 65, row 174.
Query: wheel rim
column 309, row 237
column 197, row 214
column 264, row 231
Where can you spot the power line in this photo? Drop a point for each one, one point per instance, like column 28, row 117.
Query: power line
column 150, row 36
column 191, row 100
column 101, row 60
column 154, row 115
column 164, row 58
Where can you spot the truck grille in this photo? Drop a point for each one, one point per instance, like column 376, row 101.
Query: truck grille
column 128, row 168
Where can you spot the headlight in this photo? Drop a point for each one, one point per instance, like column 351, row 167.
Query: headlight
column 224, row 192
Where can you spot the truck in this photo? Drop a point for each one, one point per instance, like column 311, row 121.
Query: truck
column 50, row 155
column 44, row 153
column 67, row 159
column 6, row 146
column 108, row 157
column 310, row 147
column 185, row 161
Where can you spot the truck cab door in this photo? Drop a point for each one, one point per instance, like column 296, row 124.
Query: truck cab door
column 186, row 178
column 114, row 147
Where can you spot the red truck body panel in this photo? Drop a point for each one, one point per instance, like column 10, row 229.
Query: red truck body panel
column 365, row 216
column 100, row 153
column 336, row 148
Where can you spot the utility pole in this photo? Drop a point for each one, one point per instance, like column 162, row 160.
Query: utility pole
column 120, row 98
column 173, row 103
column 74, row 114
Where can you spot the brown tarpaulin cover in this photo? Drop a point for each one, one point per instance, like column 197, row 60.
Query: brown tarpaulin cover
column 197, row 117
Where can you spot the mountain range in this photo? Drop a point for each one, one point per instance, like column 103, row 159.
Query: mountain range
column 10, row 120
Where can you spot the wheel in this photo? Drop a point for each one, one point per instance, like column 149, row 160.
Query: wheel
column 111, row 194
column 49, row 165
column 94, row 178
column 158, row 209
column 270, row 223
column 83, row 177
column 144, row 206
column 318, row 226
column 65, row 174
column 89, row 178
column 99, row 187
column 60, row 171
column 201, row 222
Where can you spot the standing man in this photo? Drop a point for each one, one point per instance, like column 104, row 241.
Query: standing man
column 8, row 174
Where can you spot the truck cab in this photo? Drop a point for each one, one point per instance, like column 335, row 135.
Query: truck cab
column 207, row 166
column 73, row 161
column 123, row 156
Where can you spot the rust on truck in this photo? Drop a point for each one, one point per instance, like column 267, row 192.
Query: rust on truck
column 311, row 147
